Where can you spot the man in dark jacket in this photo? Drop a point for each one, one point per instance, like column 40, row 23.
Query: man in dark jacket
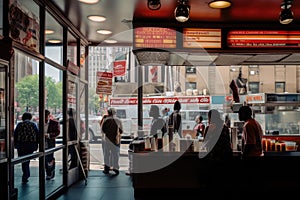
column 26, row 141
column 111, row 129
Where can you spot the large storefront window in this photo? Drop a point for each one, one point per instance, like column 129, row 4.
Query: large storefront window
column 26, row 99
column 26, row 87
column 82, row 62
column 53, row 39
column 72, row 48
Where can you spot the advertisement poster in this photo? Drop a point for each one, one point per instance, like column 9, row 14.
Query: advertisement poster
column 104, row 83
column 24, row 26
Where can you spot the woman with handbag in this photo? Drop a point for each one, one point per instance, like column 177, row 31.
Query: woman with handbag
column 111, row 129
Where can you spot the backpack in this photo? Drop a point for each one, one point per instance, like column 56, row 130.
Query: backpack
column 26, row 132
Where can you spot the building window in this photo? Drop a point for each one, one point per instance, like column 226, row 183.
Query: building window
column 190, row 85
column 254, row 87
column 190, row 70
column 279, row 87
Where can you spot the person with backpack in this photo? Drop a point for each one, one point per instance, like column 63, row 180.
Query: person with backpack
column 26, row 140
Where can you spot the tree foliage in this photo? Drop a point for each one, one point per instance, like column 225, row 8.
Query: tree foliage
column 28, row 93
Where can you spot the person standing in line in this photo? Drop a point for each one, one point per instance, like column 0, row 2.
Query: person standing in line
column 157, row 122
column 52, row 130
column 251, row 135
column 199, row 127
column 174, row 122
column 111, row 129
column 26, row 139
column 217, row 137
column 165, row 114
column 72, row 136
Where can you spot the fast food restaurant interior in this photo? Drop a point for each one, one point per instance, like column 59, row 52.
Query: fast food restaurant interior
column 185, row 50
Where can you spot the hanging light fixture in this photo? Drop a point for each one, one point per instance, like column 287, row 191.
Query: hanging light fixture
column 182, row 11
column 219, row 4
column 286, row 15
column 154, row 4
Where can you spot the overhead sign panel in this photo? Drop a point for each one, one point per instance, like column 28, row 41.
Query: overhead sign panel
column 263, row 39
column 154, row 37
column 202, row 38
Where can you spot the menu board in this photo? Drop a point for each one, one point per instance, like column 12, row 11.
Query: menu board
column 201, row 38
column 154, row 37
column 263, row 39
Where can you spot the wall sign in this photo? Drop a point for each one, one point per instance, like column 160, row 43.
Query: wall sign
column 154, row 37
column 201, row 38
column 263, row 39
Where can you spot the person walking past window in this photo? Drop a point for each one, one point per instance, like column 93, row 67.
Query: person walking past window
column 26, row 139
column 112, row 129
column 52, row 130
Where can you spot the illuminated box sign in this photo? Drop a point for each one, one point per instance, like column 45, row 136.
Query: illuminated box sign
column 267, row 39
column 201, row 38
column 154, row 37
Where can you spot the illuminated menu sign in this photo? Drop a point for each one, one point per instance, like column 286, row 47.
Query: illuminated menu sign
column 201, row 38
column 154, row 37
column 266, row 39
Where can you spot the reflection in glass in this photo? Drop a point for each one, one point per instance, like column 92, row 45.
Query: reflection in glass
column 33, row 180
column 72, row 48
column 57, row 181
column 82, row 62
column 53, row 51
column 53, row 95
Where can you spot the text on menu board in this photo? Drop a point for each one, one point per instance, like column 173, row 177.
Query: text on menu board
column 154, row 37
column 260, row 38
column 201, row 38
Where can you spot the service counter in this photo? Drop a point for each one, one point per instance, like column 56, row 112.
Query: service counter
column 185, row 174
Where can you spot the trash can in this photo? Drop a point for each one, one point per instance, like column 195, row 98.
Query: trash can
column 85, row 157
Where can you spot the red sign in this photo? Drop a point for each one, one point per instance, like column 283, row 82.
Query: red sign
column 117, row 101
column 267, row 39
column 119, row 68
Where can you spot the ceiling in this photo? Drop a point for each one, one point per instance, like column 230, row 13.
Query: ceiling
column 123, row 15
